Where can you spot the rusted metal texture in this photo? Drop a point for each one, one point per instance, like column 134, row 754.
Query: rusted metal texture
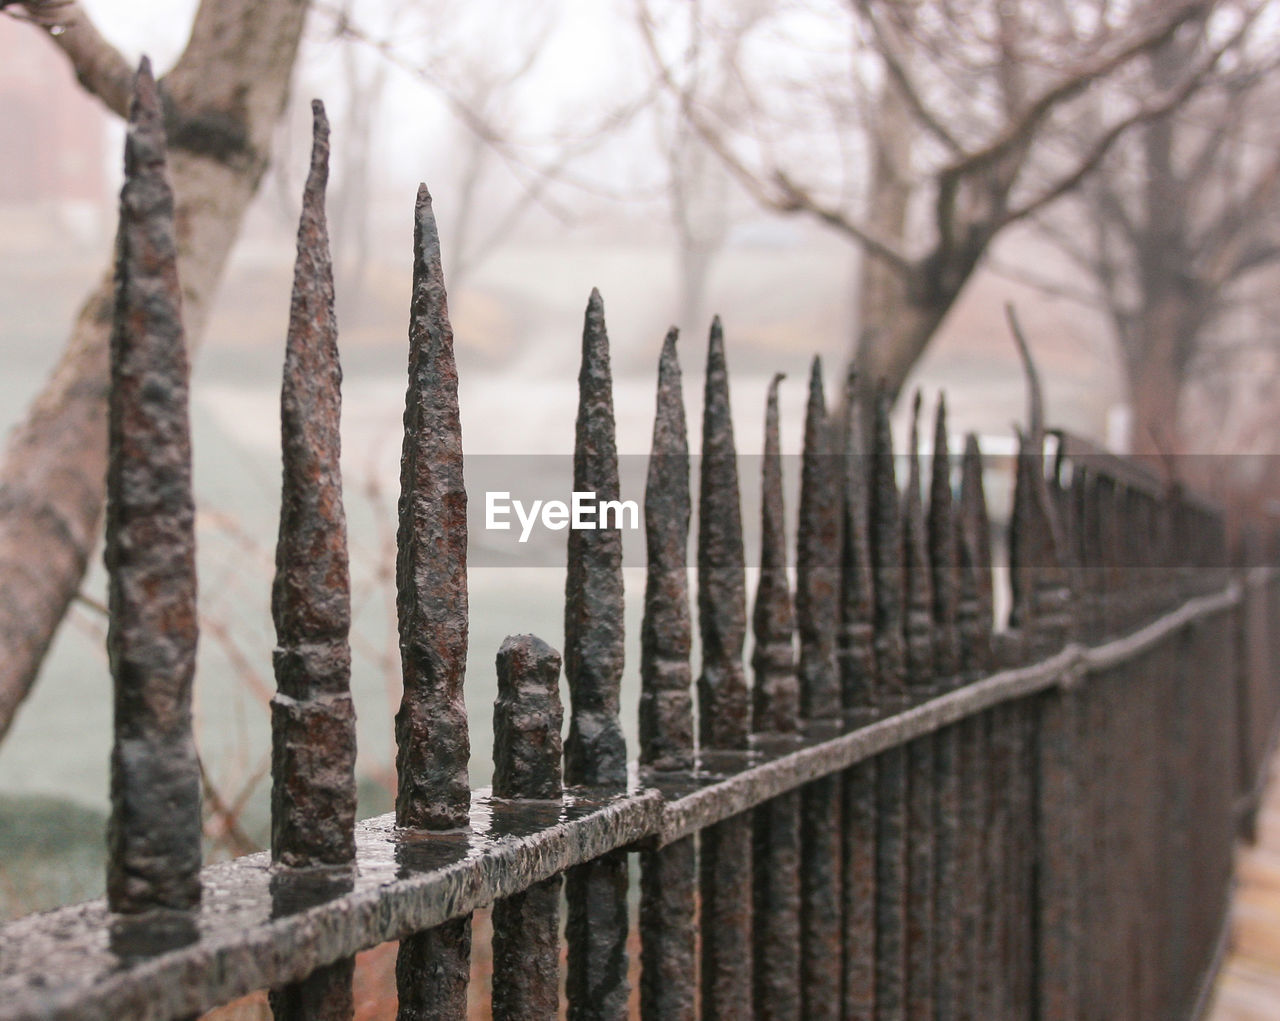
column 597, row 985
column 818, row 557
column 917, row 574
column 668, row 876
column 431, row 562
column 432, row 743
column 943, row 557
column 921, row 760
column 974, row 624
column 722, row 616
column 666, row 634
column 891, row 697
column 973, row 540
column 313, row 720
column 725, row 918
column 58, row 965
column 949, row 889
column 324, row 995
column 432, row 969
column 776, row 690
column 526, row 720
column 153, row 837
column 595, row 751
column 776, row 861
column 313, row 792
column 723, row 710
column 776, row 910
column 668, row 932
column 856, row 655
column 527, row 752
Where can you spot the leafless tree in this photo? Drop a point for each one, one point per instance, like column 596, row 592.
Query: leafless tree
column 921, row 130
column 1173, row 230
column 223, row 97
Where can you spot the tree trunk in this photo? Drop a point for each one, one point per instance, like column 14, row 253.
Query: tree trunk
column 223, row 100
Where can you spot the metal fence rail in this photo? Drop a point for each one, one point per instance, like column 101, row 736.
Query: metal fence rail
column 905, row 815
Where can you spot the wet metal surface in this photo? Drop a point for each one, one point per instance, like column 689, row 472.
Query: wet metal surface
column 669, row 875
column 891, row 696
column 776, row 838
column 818, row 556
column 666, row 633
column 921, row 758
column 722, row 615
column 776, row 689
column 668, row 931
column 62, row 964
column 313, row 792
column 313, row 720
column 527, row 752
column 431, row 564
column 856, row 651
column 153, row 837
column 595, row 752
column 725, row 852
column 857, row 684
column 432, row 743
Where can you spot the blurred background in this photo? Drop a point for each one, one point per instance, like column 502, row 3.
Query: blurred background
column 865, row 181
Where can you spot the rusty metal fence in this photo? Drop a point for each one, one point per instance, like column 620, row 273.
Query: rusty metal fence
column 903, row 815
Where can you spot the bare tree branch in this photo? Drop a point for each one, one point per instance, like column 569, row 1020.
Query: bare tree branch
column 902, row 79
column 1016, row 133
column 99, row 67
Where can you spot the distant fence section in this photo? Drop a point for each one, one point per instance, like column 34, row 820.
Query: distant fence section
column 892, row 811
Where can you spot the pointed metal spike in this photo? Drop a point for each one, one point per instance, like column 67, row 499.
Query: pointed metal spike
column 312, row 716
column 886, row 556
column 666, row 634
column 919, row 590
column 154, row 835
column 856, row 653
column 776, row 690
column 595, row 751
column 973, row 541
column 817, row 562
column 1041, row 584
column 722, row 686
column 431, row 562
column 942, row 552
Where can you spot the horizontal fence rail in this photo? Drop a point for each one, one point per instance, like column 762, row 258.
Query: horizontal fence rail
column 890, row 811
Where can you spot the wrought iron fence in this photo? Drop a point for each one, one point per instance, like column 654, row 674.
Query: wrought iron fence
column 913, row 817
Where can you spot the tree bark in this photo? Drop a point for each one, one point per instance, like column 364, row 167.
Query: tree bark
column 223, row 99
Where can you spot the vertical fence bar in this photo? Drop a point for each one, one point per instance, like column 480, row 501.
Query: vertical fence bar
column 595, row 752
column 891, row 695
column 982, row 846
column 154, row 833
column 313, row 720
column 431, row 602
column 921, row 758
column 722, row 699
column 817, row 611
column 668, row 876
column 857, row 661
column 526, row 765
column 776, row 862
column 948, row 942
column 1038, row 557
